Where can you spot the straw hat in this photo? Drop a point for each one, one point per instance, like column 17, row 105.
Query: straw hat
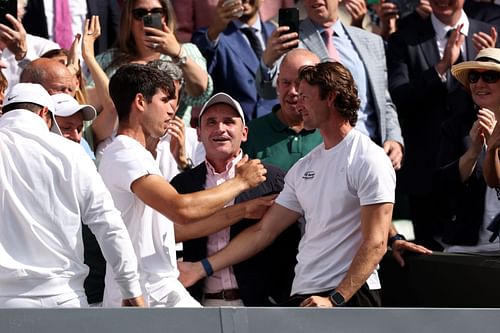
column 486, row 59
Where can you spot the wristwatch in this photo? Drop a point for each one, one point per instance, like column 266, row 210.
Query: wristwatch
column 336, row 298
column 181, row 59
column 395, row 238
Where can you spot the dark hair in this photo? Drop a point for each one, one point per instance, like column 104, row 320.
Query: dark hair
column 132, row 79
column 332, row 77
column 126, row 49
column 22, row 105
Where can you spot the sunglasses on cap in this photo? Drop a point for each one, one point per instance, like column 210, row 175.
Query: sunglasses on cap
column 139, row 13
column 488, row 76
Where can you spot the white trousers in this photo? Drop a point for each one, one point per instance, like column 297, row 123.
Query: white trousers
column 69, row 300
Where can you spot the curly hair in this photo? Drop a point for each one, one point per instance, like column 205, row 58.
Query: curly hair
column 333, row 77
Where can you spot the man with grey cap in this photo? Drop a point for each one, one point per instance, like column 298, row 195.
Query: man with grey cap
column 40, row 234
column 222, row 129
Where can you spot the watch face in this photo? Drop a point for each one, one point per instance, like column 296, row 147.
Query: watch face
column 337, row 298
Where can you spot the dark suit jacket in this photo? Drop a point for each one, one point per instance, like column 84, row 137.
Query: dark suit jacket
column 35, row 21
column 483, row 11
column 462, row 203
column 270, row 272
column 423, row 101
column 232, row 65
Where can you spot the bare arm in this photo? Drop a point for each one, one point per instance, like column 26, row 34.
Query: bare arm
column 375, row 223
column 252, row 209
column 245, row 245
column 157, row 193
column 491, row 167
column 107, row 119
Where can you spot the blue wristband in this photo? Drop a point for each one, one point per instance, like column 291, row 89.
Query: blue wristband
column 207, row 267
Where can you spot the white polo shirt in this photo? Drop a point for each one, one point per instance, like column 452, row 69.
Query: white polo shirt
column 329, row 187
column 48, row 187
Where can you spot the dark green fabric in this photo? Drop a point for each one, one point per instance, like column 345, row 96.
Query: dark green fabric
column 273, row 142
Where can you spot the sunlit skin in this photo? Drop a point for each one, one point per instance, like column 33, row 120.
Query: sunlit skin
column 221, row 131
column 323, row 12
column 157, row 115
column 137, row 27
column 314, row 110
column 486, row 95
column 71, row 127
column 59, row 79
column 287, row 87
column 250, row 8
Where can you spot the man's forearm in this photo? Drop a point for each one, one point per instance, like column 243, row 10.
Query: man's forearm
column 364, row 263
column 209, row 225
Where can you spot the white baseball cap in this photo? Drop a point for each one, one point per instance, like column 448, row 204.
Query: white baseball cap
column 66, row 106
column 29, row 93
column 226, row 99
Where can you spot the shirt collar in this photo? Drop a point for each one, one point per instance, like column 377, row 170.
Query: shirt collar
column 229, row 166
column 442, row 29
column 23, row 118
column 337, row 27
column 257, row 26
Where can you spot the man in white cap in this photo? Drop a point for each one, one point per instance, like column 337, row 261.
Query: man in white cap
column 222, row 129
column 40, row 234
column 70, row 115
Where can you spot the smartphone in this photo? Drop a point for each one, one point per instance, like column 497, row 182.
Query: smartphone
column 152, row 20
column 232, row 2
column 289, row 17
column 7, row 7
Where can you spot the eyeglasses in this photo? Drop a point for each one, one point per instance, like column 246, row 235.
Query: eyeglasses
column 139, row 13
column 488, row 76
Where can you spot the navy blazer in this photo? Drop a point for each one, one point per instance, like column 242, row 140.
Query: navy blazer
column 270, row 272
column 423, row 101
column 233, row 64
column 35, row 21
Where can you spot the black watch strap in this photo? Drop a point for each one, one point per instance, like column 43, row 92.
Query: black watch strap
column 395, row 238
column 336, row 298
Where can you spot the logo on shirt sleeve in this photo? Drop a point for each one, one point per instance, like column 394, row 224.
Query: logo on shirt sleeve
column 308, row 175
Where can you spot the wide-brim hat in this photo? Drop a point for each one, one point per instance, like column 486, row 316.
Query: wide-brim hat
column 486, row 59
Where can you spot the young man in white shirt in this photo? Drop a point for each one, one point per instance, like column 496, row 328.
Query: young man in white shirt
column 141, row 96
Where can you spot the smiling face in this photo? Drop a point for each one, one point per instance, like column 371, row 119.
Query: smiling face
column 221, row 131
column 157, row 114
column 323, row 12
column 286, row 83
column 486, row 95
column 447, row 11
column 315, row 111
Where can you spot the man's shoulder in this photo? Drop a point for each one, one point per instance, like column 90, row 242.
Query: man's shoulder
column 190, row 178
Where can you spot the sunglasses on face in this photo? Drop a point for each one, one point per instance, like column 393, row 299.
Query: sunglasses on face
column 139, row 13
column 488, row 76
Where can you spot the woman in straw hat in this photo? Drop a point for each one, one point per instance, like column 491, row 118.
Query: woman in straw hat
column 469, row 204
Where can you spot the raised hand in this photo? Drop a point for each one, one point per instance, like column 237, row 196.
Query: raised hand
column 177, row 130
column 279, row 43
column 223, row 15
column 15, row 38
column 251, row 172
column 483, row 40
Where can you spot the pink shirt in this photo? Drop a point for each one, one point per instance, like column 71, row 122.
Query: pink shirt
column 223, row 279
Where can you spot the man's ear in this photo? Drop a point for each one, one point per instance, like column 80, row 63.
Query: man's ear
column 139, row 102
column 46, row 116
column 331, row 99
